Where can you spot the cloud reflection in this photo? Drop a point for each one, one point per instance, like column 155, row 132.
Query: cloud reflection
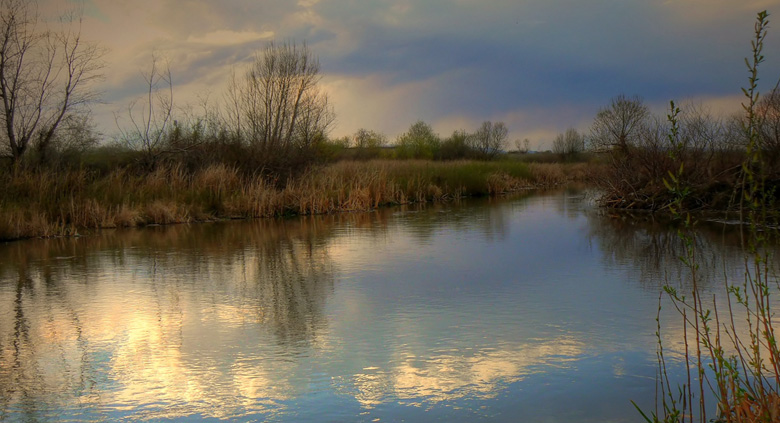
column 443, row 377
column 249, row 319
column 446, row 377
column 139, row 334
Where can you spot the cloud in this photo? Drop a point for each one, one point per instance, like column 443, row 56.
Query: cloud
column 360, row 100
column 387, row 63
column 539, row 57
column 227, row 37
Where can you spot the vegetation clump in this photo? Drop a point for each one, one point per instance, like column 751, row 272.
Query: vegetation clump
column 731, row 352
column 706, row 154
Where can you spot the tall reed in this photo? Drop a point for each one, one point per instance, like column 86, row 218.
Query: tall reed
column 48, row 203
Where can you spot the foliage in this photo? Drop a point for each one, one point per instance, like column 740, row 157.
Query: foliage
column 419, row 142
column 368, row 144
column 331, row 150
column 456, row 146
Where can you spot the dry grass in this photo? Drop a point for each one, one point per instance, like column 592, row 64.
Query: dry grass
column 751, row 410
column 45, row 203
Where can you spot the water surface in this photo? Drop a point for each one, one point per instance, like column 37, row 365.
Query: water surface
column 535, row 308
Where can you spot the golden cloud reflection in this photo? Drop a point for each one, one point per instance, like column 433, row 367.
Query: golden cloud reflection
column 235, row 320
column 450, row 376
column 176, row 321
column 183, row 321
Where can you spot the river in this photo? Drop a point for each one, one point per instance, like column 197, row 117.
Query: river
column 534, row 308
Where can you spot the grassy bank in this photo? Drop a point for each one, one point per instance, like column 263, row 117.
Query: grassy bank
column 44, row 203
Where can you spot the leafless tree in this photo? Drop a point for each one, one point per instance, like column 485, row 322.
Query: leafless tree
column 76, row 134
column 151, row 115
column 315, row 117
column 234, row 108
column 45, row 76
column 617, row 126
column 279, row 107
column 769, row 111
column 523, row 146
column 569, row 144
column 489, row 139
column 734, row 133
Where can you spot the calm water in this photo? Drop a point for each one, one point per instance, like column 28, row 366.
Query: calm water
column 538, row 308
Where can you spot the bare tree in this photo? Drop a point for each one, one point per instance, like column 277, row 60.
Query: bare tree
column 315, row 117
column 489, row 139
column 45, row 75
column 617, row 126
column 569, row 144
column 278, row 107
column 769, row 129
column 151, row 115
column 76, row 134
column 523, row 146
column 234, row 107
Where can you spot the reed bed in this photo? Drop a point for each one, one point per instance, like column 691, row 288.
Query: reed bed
column 44, row 203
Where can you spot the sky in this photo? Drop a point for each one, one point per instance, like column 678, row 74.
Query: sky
column 540, row 66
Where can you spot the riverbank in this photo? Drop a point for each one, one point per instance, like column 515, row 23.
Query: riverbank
column 44, row 203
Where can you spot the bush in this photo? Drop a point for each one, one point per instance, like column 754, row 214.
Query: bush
column 419, row 142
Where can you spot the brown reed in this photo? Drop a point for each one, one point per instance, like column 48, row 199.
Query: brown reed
column 45, row 203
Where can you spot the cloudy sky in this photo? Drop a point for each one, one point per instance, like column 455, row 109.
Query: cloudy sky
column 538, row 65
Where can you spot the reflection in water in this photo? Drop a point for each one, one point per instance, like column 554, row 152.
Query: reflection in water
column 655, row 249
column 143, row 317
column 445, row 377
column 491, row 306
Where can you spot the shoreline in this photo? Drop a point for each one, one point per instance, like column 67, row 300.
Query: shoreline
column 61, row 204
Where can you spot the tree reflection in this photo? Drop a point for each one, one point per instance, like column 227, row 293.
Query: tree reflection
column 127, row 314
column 652, row 249
column 487, row 216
